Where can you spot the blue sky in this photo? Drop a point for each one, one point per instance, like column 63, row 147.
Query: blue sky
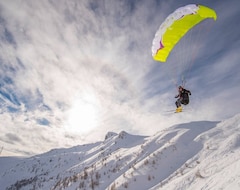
column 71, row 71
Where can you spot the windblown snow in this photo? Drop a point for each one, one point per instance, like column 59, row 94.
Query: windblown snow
column 195, row 155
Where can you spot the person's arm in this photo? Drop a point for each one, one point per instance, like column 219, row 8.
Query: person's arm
column 188, row 91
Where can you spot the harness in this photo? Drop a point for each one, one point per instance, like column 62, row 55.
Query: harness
column 184, row 97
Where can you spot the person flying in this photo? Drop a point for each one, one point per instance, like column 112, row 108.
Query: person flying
column 183, row 98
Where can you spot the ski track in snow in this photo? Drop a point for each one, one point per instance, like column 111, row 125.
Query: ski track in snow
column 195, row 155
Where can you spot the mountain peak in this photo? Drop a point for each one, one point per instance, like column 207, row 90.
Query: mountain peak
column 122, row 134
column 109, row 135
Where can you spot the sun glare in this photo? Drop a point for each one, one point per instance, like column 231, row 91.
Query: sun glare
column 83, row 116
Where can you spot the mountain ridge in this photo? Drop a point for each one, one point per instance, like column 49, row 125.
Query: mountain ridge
column 192, row 155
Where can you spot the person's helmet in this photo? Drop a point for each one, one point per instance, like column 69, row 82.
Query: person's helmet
column 180, row 87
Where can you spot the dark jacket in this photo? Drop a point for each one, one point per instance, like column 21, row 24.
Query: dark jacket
column 183, row 96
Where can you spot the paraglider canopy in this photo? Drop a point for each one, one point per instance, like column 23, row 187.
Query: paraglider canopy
column 175, row 26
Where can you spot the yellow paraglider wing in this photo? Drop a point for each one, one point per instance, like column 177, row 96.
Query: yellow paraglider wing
column 176, row 26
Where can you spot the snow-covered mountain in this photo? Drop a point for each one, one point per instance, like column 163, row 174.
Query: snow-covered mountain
column 195, row 155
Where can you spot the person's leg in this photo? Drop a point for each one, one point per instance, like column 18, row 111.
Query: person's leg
column 178, row 103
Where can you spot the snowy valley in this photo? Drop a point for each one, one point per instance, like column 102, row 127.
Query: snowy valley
column 195, row 155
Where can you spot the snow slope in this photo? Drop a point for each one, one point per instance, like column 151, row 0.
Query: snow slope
column 195, row 155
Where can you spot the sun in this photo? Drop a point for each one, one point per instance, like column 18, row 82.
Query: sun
column 84, row 114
